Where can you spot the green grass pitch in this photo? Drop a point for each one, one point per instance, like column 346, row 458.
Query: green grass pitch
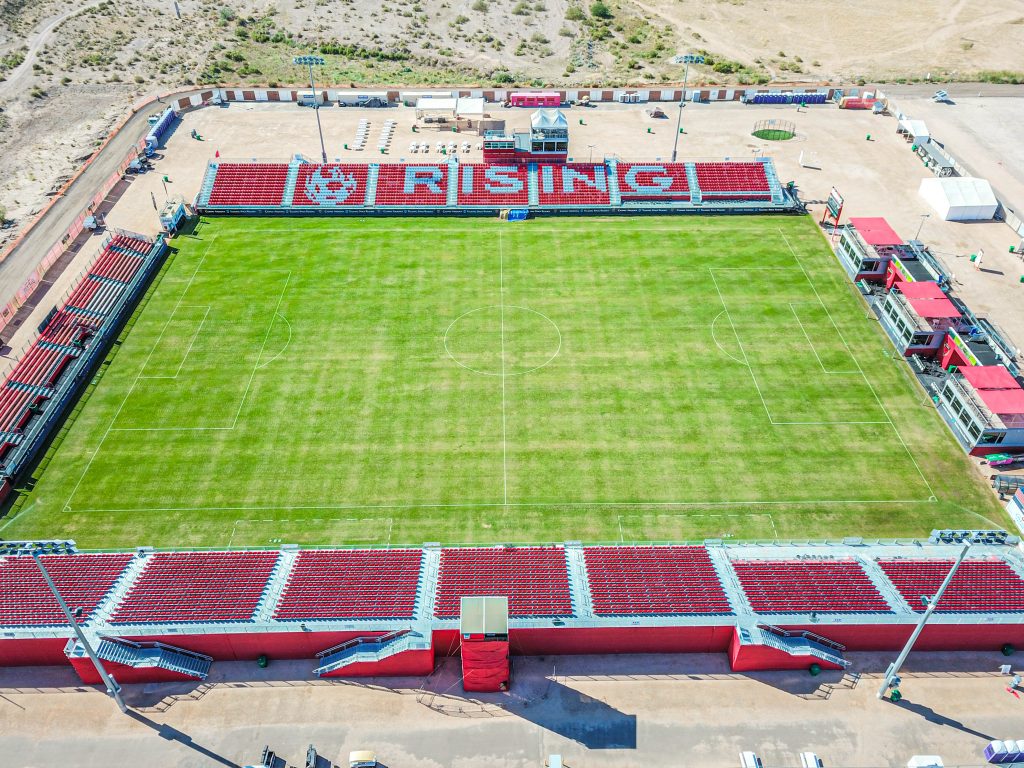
column 395, row 381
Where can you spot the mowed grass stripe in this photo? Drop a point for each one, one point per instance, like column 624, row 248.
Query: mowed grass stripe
column 627, row 395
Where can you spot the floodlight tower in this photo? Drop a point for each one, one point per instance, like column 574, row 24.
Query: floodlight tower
column 309, row 61
column 687, row 59
column 38, row 548
column 930, row 603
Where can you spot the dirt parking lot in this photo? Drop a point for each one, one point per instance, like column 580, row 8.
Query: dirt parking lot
column 614, row 711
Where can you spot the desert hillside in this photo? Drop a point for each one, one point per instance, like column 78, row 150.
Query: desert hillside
column 70, row 68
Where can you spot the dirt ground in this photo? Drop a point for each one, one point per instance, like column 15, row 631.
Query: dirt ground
column 879, row 177
column 86, row 61
column 614, row 711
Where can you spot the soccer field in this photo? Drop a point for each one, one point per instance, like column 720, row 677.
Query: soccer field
column 395, row 381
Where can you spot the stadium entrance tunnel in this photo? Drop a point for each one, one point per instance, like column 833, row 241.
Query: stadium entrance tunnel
column 502, row 340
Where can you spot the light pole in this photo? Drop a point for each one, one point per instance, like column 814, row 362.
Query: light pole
column 921, row 225
column 309, row 61
column 687, row 59
column 591, row 146
column 893, row 670
column 38, row 548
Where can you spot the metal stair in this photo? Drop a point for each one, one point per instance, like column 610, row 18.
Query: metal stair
column 798, row 643
column 149, row 655
column 452, row 199
column 773, row 181
column 370, row 649
column 691, row 178
column 289, row 185
column 371, row 184
column 207, row 185
column 534, row 184
column 582, row 600
column 612, row 169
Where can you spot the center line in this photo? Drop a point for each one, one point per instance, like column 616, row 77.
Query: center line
column 501, row 305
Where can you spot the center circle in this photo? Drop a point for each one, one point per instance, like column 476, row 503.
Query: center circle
column 502, row 340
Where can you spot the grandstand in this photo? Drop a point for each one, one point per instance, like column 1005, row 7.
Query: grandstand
column 605, row 187
column 372, row 608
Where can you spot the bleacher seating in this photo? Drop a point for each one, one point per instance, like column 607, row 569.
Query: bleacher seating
column 391, row 186
column 480, row 194
column 653, row 580
column 357, row 583
column 67, row 331
column 534, row 579
column 802, row 586
column 197, row 586
column 82, row 580
column 582, row 193
column 733, row 181
column 330, row 185
column 989, row 585
column 642, row 181
column 249, row 184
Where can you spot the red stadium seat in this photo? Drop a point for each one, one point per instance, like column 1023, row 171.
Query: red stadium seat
column 653, row 580
column 802, row 586
column 989, row 585
column 534, row 579
column 82, row 580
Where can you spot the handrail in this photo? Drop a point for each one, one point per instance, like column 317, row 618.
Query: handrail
column 367, row 640
column 804, row 633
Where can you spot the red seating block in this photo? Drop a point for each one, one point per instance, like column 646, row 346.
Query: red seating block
column 534, row 579
column 653, row 181
column 733, row 181
column 989, row 585
column 412, row 185
column 197, row 586
column 573, row 184
column 653, row 580
column 501, row 186
column 802, row 586
column 249, row 184
column 355, row 583
column 330, row 185
column 82, row 580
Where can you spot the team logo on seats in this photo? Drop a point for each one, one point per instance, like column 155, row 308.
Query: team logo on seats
column 330, row 185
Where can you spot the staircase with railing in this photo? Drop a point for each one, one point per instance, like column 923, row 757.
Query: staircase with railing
column 369, row 650
column 795, row 643
column 147, row 656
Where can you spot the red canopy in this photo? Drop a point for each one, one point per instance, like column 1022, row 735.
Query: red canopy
column 934, row 308
column 1003, row 402
column 989, row 377
column 876, row 231
column 926, row 289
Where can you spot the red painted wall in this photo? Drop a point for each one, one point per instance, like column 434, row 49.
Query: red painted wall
column 44, row 651
column 750, row 658
column 407, row 663
column 566, row 640
column 125, row 674
column 244, row 646
column 935, row 637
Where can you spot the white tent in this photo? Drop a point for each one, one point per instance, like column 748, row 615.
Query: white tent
column 470, row 106
column 436, row 104
column 549, row 119
column 960, row 198
column 915, row 129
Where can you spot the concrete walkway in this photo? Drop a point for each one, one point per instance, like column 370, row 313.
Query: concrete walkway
column 649, row 710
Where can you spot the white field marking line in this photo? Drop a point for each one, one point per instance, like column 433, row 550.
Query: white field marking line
column 771, row 520
column 746, row 360
column 444, row 341
column 771, row 419
column 305, row 520
column 501, row 304
column 241, row 404
column 715, row 339
column 521, row 504
column 187, row 351
column 860, row 368
column 286, row 344
column 117, row 413
column 792, row 306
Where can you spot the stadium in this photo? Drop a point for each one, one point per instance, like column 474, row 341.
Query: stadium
column 500, row 403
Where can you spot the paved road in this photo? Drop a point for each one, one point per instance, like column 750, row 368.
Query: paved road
column 18, row 79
